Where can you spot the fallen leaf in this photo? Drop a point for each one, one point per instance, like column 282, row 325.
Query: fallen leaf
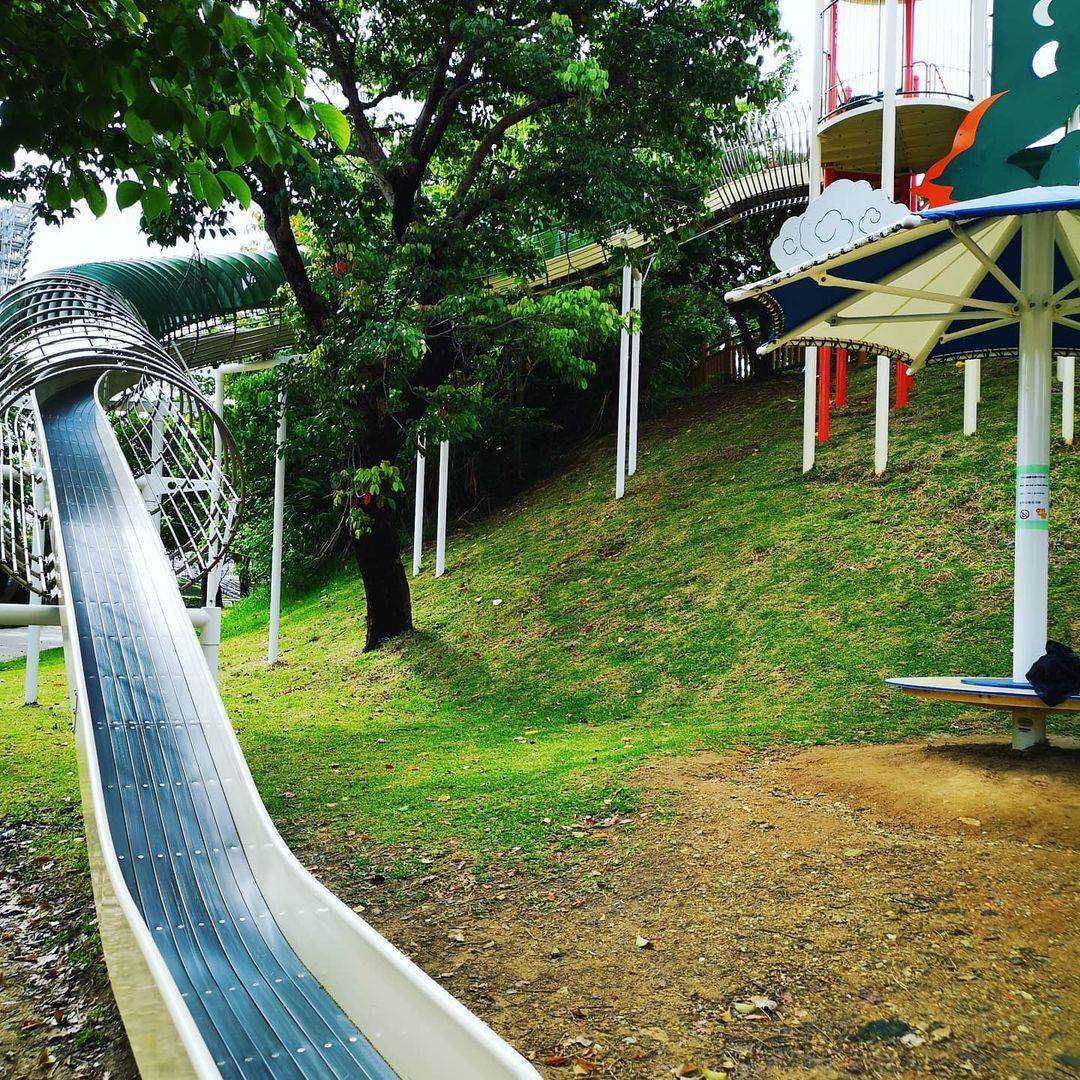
column 583, row 1067
column 643, row 942
column 556, row 1059
column 912, row 1039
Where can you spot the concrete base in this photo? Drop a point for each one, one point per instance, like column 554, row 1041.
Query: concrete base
column 1029, row 728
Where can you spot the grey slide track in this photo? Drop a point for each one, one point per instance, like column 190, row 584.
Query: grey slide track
column 260, row 1012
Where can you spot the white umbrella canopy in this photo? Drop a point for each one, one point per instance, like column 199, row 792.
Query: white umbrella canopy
column 992, row 276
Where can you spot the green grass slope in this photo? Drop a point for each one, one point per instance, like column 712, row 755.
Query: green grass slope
column 727, row 599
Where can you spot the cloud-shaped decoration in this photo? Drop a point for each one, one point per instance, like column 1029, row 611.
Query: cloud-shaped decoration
column 845, row 211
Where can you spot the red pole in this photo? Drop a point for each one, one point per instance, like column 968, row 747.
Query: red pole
column 903, row 381
column 841, row 378
column 910, row 84
column 833, row 77
column 824, row 364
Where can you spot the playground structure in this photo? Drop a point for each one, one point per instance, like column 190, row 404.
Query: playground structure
column 994, row 274
column 121, row 491
column 893, row 80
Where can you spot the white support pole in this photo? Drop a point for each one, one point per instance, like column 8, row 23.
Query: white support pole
column 881, row 416
column 1067, row 375
column 809, row 412
column 418, row 512
column 440, row 524
column 37, row 551
column 157, row 465
column 624, row 372
column 972, row 393
column 210, row 638
column 210, row 634
column 1031, row 576
column 635, row 370
column 980, row 52
column 888, row 107
column 816, row 95
column 279, row 529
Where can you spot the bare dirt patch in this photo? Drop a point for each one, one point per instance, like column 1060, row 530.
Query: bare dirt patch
column 57, row 1015
column 821, row 913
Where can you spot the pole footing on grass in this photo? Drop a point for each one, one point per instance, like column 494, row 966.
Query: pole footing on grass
column 1029, row 728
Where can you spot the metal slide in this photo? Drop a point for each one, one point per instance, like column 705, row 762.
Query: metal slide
column 118, row 484
column 226, row 956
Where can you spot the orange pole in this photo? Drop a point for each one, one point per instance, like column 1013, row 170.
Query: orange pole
column 824, row 365
column 903, row 383
column 841, row 378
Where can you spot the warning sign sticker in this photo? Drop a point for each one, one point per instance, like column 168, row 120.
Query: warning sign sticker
column 1033, row 497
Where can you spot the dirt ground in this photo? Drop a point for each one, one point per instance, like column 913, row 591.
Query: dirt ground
column 904, row 910
column 892, row 911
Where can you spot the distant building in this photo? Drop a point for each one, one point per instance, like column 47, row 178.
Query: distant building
column 16, row 235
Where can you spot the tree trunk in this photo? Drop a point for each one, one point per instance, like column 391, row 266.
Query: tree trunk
column 386, row 586
column 378, row 550
column 273, row 199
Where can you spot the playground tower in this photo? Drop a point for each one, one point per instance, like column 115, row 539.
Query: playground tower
column 892, row 82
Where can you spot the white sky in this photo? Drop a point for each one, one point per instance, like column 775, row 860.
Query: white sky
column 116, row 235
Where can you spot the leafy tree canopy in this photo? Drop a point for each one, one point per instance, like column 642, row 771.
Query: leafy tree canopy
column 174, row 99
column 476, row 127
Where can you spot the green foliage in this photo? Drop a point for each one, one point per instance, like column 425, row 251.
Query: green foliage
column 154, row 95
column 727, row 600
column 512, row 122
column 357, row 490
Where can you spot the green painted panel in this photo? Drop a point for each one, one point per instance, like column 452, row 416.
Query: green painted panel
column 173, row 293
column 1029, row 35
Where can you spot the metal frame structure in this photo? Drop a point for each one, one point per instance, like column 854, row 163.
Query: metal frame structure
column 17, row 223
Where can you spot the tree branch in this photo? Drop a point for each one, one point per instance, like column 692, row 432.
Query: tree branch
column 333, row 36
column 494, row 133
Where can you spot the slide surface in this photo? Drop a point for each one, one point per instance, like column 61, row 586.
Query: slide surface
column 258, row 1009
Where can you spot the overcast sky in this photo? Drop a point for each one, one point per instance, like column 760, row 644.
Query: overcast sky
column 116, row 235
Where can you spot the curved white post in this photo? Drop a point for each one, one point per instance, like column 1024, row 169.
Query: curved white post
column 157, row 465
column 972, row 394
column 881, row 416
column 809, row 411
column 418, row 512
column 1032, row 524
column 888, row 107
column 440, row 524
column 279, row 528
column 624, row 372
column 1067, row 375
column 980, row 47
column 635, row 370
column 33, row 633
column 210, row 631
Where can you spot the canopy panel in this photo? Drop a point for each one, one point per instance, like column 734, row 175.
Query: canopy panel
column 937, row 286
column 173, row 294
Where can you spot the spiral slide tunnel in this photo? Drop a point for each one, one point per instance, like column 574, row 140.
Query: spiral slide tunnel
column 226, row 957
